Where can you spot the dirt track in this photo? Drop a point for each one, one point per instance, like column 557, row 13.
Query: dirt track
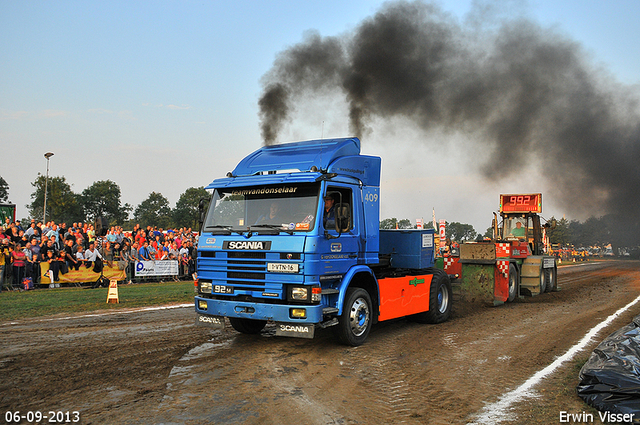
column 158, row 367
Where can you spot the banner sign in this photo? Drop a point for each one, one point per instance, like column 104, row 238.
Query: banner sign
column 443, row 238
column 157, row 268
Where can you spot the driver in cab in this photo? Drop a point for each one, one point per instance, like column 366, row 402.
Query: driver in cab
column 518, row 231
column 272, row 216
column 329, row 216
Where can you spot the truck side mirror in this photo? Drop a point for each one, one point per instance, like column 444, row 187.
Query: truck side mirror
column 201, row 212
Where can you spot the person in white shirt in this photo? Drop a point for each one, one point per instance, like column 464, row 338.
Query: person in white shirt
column 80, row 254
column 91, row 254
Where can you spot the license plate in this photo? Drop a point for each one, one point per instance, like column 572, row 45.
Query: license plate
column 215, row 322
column 282, row 267
column 222, row 289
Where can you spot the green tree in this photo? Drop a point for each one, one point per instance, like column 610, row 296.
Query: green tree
column 560, row 234
column 63, row 205
column 388, row 223
column 102, row 199
column 153, row 211
column 594, row 232
column 393, row 223
column 405, row 223
column 460, row 232
column 4, row 190
column 186, row 212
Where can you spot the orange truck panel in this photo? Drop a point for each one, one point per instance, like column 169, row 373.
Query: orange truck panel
column 403, row 296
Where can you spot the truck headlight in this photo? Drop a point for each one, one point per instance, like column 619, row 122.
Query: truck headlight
column 205, row 287
column 308, row 294
column 300, row 293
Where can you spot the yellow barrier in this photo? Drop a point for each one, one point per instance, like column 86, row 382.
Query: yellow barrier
column 84, row 275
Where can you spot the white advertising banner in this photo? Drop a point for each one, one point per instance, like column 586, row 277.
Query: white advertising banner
column 157, row 268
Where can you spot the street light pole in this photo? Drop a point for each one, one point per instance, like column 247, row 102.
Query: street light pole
column 46, row 182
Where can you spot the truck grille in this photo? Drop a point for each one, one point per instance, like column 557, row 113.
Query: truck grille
column 242, row 254
column 245, row 275
column 248, row 269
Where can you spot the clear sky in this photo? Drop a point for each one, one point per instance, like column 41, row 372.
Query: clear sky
column 162, row 96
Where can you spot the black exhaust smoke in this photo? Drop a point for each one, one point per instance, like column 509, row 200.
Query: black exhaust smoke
column 527, row 96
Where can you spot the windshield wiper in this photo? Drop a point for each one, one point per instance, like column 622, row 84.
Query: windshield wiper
column 221, row 226
column 274, row 227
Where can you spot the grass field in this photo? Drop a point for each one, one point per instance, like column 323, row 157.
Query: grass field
column 44, row 302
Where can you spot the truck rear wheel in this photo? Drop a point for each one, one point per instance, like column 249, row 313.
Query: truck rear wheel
column 355, row 321
column 550, row 276
column 247, row 326
column 513, row 283
column 440, row 297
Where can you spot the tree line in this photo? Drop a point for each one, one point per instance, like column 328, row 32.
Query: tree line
column 458, row 232
column 593, row 232
column 102, row 199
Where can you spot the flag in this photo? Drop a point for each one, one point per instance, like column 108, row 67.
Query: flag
column 434, row 220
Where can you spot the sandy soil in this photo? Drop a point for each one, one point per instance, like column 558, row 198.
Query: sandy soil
column 156, row 366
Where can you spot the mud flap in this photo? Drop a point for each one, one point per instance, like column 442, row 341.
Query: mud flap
column 478, row 281
column 296, row 330
column 530, row 274
column 215, row 322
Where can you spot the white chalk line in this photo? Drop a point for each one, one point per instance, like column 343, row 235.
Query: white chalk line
column 500, row 410
column 105, row 313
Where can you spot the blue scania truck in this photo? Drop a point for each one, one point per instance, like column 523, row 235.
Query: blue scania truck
column 292, row 236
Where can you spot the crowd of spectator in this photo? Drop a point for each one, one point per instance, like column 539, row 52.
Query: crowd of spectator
column 65, row 248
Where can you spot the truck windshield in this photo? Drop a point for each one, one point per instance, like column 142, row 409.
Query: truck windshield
column 514, row 228
column 289, row 207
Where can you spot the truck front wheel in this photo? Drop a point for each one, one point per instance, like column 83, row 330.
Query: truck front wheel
column 354, row 323
column 247, row 326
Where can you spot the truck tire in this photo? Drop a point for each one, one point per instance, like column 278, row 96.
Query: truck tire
column 513, row 283
column 355, row 321
column 440, row 297
column 543, row 281
column 550, row 276
column 247, row 326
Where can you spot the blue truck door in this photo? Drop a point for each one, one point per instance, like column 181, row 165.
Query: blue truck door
column 339, row 252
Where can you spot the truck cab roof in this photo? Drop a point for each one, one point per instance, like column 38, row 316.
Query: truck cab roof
column 315, row 158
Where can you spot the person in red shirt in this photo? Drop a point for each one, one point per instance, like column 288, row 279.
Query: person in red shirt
column 19, row 261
